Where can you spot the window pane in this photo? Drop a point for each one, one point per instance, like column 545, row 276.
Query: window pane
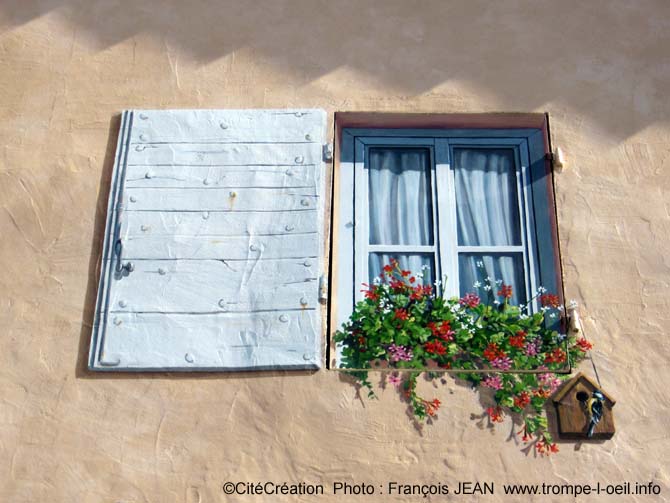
column 413, row 262
column 401, row 210
column 486, row 197
column 507, row 267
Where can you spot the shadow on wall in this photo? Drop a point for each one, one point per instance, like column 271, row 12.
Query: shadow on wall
column 608, row 60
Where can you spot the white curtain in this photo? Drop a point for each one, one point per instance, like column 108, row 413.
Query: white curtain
column 400, row 196
column 413, row 262
column 488, row 215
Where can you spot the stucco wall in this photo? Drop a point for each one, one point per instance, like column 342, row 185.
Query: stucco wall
column 600, row 68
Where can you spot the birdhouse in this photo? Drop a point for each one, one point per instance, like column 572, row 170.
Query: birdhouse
column 571, row 404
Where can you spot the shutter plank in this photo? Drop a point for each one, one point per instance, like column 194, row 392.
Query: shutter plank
column 219, row 199
column 217, row 223
column 226, row 341
column 206, row 286
column 242, row 154
column 273, row 126
column 250, row 248
column 222, row 176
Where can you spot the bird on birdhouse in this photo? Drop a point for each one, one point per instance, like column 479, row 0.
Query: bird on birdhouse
column 594, row 409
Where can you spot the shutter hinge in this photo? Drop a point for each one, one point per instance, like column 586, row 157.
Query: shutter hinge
column 323, row 288
column 327, row 152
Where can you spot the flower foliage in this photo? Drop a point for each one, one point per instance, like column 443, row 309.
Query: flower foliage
column 406, row 326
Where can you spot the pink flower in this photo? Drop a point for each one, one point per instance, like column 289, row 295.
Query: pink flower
column 394, row 379
column 533, row 347
column 399, row 353
column 494, row 382
column 470, row 300
column 549, row 381
column 502, row 363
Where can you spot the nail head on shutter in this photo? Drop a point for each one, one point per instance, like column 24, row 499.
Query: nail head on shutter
column 123, row 303
column 253, row 248
column 289, row 172
column 205, row 215
column 303, row 301
column 144, row 117
column 133, row 199
column 143, row 137
column 307, row 263
column 308, row 137
column 289, row 228
column 139, row 148
column 283, row 318
column 117, row 321
column 223, row 125
column 189, row 358
column 299, row 159
column 144, row 228
column 205, row 181
column 305, row 202
column 161, row 271
column 222, row 303
column 148, row 174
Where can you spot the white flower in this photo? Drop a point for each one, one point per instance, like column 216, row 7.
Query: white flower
column 480, row 263
column 487, row 287
column 541, row 289
column 544, row 308
column 425, row 267
column 499, row 282
column 438, row 282
column 488, row 279
column 552, row 315
column 477, row 284
column 523, row 316
column 376, row 281
column 496, row 302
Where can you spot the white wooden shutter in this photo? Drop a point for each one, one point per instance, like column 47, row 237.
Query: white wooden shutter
column 213, row 248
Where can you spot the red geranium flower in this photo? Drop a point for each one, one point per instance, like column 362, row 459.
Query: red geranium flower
column 493, row 351
column 522, row 400
column 550, row 300
column 435, row 347
column 518, row 340
column 584, row 345
column 388, row 268
column 556, row 356
column 495, row 414
column 505, row 291
column 401, row 314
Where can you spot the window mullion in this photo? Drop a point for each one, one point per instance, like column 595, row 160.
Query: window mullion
column 446, row 209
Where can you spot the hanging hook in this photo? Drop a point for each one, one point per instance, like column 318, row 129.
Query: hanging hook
column 120, row 267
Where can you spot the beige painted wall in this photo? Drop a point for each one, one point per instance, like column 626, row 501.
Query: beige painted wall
column 600, row 68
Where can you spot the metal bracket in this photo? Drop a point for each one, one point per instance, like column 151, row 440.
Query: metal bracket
column 120, row 266
column 328, row 152
column 323, row 288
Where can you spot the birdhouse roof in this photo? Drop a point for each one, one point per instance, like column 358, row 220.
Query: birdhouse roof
column 573, row 382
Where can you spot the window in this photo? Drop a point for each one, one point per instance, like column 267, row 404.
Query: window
column 455, row 202
column 214, row 242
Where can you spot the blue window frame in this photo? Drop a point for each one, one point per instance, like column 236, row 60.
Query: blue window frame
column 448, row 199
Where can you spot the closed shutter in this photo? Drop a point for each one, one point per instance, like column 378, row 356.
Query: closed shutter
column 214, row 242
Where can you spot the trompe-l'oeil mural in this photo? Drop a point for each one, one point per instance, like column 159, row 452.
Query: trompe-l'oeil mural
column 445, row 256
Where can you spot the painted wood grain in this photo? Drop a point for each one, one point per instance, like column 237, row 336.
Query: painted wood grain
column 271, row 126
column 219, row 199
column 224, row 341
column 221, row 247
column 238, row 154
column 206, row 286
column 217, row 223
column 222, row 176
